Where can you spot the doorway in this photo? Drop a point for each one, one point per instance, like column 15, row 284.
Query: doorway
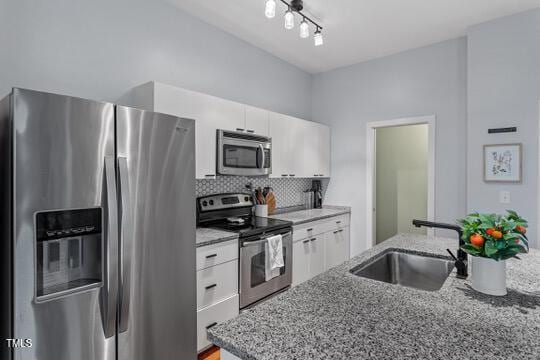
column 400, row 176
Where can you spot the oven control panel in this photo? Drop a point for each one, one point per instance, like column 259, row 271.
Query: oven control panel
column 224, row 201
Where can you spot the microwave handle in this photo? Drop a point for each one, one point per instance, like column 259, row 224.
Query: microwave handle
column 263, row 160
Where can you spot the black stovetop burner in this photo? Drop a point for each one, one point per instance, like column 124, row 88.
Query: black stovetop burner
column 252, row 225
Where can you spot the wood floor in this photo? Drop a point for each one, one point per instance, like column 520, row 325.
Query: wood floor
column 210, row 354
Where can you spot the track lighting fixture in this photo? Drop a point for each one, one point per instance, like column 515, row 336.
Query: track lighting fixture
column 289, row 19
column 317, row 37
column 295, row 6
column 270, row 9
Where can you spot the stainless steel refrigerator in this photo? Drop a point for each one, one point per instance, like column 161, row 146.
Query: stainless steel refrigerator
column 97, row 231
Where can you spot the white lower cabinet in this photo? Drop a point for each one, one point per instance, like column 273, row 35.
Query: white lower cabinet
column 213, row 315
column 317, row 249
column 217, row 287
column 301, row 261
column 319, row 246
column 337, row 247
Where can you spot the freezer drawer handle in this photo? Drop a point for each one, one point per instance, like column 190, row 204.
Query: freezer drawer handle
column 210, row 286
column 211, row 325
column 126, row 239
column 109, row 292
column 211, row 256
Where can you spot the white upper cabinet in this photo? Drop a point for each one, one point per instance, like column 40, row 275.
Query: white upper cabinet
column 300, row 148
column 256, row 120
column 287, row 145
column 210, row 113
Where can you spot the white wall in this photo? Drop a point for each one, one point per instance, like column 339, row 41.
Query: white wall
column 504, row 89
column 401, row 179
column 100, row 48
column 425, row 81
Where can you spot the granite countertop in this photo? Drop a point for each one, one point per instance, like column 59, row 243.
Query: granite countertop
column 304, row 216
column 338, row 315
column 207, row 236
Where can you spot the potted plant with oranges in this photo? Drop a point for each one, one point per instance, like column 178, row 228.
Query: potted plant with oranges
column 491, row 239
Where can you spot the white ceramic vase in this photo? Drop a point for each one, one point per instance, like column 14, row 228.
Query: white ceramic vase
column 488, row 275
column 261, row 210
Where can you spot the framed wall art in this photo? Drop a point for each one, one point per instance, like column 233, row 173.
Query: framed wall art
column 502, row 163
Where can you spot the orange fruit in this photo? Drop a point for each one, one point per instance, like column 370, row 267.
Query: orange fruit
column 521, row 229
column 490, row 231
column 497, row 234
column 477, row 240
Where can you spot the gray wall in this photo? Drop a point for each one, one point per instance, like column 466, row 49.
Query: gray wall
column 425, row 81
column 504, row 90
column 99, row 49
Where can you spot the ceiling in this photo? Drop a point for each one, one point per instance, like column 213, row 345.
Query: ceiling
column 354, row 30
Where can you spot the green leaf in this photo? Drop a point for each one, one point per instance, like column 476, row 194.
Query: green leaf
column 490, row 248
column 471, row 250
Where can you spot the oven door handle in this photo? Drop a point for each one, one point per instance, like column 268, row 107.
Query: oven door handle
column 261, row 240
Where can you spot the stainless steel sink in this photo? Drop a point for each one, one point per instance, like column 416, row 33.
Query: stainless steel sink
column 416, row 271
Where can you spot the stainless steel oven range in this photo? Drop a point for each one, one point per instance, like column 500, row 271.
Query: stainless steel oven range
column 233, row 212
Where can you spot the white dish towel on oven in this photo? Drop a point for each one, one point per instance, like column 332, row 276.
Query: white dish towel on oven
column 274, row 257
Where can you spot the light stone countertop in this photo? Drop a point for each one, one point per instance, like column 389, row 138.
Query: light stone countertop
column 304, row 216
column 207, row 236
column 338, row 315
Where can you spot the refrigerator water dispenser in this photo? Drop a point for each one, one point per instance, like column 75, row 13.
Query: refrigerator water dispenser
column 68, row 252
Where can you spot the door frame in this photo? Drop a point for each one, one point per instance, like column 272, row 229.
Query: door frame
column 371, row 174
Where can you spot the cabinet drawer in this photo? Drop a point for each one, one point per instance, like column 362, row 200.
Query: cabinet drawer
column 216, row 254
column 307, row 230
column 212, row 315
column 217, row 283
column 335, row 223
column 311, row 229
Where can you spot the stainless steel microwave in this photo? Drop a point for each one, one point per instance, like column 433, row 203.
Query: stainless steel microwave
column 243, row 154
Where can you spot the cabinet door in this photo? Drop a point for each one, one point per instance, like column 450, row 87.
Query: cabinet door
column 278, row 128
column 311, row 150
column 256, row 120
column 225, row 114
column 301, row 260
column 317, row 255
column 324, row 151
column 296, row 133
column 192, row 105
column 210, row 113
column 337, row 247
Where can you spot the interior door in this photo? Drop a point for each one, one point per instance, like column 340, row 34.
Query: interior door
column 61, row 147
column 156, row 168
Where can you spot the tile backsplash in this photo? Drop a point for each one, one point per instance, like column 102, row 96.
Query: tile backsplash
column 288, row 192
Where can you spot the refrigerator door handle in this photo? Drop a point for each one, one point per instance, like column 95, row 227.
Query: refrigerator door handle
column 109, row 293
column 126, row 240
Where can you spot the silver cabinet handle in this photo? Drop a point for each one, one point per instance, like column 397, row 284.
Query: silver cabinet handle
column 305, row 241
column 211, row 325
column 210, row 286
column 284, row 175
column 210, row 175
column 211, row 256
column 292, row 175
column 313, row 239
column 310, row 229
column 109, row 292
column 126, row 244
column 250, row 131
column 239, row 129
column 338, row 222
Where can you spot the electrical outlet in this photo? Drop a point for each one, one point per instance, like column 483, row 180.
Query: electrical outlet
column 504, row 197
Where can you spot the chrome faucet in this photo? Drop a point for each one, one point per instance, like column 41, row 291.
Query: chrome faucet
column 461, row 259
